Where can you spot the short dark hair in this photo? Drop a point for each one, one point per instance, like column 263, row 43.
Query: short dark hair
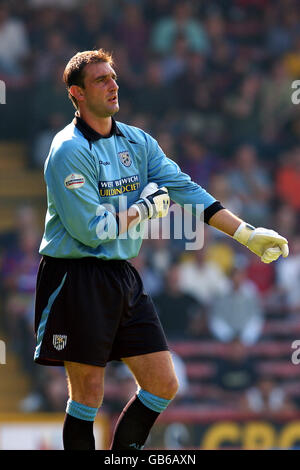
column 74, row 71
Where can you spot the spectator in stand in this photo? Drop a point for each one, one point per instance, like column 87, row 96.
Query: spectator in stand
column 18, row 278
column 168, row 145
column 241, row 110
column 130, row 81
column 153, row 98
column 238, row 312
column 68, row 4
column 221, row 75
column 221, row 253
column 292, row 58
column 25, row 220
column 276, row 104
column 181, row 21
column 262, row 275
column 132, row 32
column 152, row 278
column 245, row 23
column 282, row 24
column 202, row 278
column 50, row 98
column 177, row 310
column 195, row 72
column 235, row 375
column 288, row 178
column 14, row 45
column 91, row 21
column 54, row 391
column 290, row 136
column 157, row 9
column 175, row 63
column 215, row 27
column 286, row 220
column 288, row 276
column 18, row 267
column 267, row 396
column 57, row 49
column 44, row 138
column 198, row 161
column 220, row 186
column 49, row 393
column 43, row 20
column 251, row 184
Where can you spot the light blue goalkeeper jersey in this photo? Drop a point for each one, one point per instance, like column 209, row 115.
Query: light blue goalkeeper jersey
column 90, row 178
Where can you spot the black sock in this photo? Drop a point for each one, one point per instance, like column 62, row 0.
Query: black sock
column 133, row 426
column 78, row 434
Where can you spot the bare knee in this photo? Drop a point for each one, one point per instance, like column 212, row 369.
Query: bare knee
column 165, row 388
column 89, row 392
column 86, row 386
column 155, row 373
column 170, row 388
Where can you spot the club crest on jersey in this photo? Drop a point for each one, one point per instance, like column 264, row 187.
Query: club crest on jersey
column 125, row 158
column 59, row 341
column 74, row 181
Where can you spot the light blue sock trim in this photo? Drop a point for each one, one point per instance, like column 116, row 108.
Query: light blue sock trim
column 152, row 401
column 80, row 411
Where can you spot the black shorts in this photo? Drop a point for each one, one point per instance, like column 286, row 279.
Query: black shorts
column 93, row 311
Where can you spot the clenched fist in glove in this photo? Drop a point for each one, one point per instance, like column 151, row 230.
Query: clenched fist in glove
column 154, row 202
column 266, row 244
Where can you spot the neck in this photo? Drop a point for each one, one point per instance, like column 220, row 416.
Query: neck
column 99, row 124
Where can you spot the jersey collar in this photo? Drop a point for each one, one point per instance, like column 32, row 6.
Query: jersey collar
column 90, row 134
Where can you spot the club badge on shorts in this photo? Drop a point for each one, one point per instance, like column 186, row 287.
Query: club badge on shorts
column 59, row 341
column 125, row 158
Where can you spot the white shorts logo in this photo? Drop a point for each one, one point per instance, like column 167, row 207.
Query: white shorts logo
column 59, row 341
column 74, row 181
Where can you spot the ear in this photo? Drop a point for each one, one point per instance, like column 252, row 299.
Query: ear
column 77, row 92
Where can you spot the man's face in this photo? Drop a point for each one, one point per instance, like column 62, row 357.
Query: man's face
column 100, row 92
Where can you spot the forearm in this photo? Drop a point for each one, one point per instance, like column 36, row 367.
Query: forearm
column 128, row 219
column 154, row 202
column 225, row 221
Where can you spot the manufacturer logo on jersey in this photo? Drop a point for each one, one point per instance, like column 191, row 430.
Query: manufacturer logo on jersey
column 59, row 341
column 74, row 181
column 125, row 158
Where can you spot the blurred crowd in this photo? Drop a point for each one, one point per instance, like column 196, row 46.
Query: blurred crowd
column 212, row 82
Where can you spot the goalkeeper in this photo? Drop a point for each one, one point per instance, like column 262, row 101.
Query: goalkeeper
column 103, row 178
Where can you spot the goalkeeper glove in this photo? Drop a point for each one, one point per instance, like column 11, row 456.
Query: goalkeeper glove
column 154, row 202
column 267, row 244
